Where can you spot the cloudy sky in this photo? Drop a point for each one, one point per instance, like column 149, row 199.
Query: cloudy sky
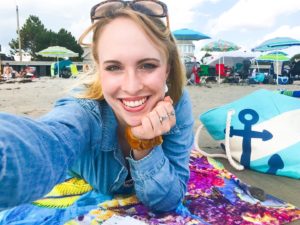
column 244, row 22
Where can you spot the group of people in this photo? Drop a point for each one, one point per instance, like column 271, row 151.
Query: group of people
column 127, row 129
column 10, row 73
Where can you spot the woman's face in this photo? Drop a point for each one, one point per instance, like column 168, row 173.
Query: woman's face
column 133, row 72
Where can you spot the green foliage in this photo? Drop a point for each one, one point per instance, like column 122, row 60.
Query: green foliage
column 35, row 37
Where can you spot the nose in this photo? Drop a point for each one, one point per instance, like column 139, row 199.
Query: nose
column 132, row 83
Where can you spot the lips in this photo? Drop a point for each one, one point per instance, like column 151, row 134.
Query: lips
column 134, row 104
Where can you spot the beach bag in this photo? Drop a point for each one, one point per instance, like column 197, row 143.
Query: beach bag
column 260, row 131
column 283, row 80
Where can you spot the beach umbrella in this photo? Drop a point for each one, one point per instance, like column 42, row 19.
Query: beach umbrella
column 57, row 52
column 277, row 43
column 278, row 52
column 273, row 57
column 188, row 34
column 278, row 57
column 220, row 46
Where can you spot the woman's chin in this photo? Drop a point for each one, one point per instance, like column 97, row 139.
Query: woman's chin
column 133, row 122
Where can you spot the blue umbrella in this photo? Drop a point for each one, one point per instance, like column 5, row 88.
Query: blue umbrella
column 188, row 34
column 276, row 44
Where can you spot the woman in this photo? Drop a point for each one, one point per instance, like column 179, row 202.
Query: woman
column 124, row 133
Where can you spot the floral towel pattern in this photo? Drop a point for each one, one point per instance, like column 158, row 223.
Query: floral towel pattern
column 215, row 196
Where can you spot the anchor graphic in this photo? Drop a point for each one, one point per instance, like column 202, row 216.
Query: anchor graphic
column 248, row 134
column 275, row 163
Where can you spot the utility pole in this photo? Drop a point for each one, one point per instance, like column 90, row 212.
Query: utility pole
column 18, row 28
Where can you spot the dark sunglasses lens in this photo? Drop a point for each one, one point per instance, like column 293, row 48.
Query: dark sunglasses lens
column 103, row 9
column 150, row 8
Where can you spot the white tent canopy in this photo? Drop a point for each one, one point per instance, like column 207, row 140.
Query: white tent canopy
column 232, row 57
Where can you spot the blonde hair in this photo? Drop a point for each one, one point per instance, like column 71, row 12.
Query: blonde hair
column 157, row 32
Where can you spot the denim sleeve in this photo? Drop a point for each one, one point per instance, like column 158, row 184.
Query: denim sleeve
column 161, row 177
column 35, row 154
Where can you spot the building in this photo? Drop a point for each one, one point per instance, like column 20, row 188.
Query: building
column 185, row 38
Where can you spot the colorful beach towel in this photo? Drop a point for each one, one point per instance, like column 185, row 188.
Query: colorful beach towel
column 295, row 94
column 214, row 196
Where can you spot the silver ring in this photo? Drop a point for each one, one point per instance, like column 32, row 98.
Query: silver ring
column 171, row 114
column 162, row 118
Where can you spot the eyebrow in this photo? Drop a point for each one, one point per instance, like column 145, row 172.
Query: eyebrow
column 140, row 61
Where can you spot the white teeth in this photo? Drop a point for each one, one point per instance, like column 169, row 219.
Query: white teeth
column 133, row 104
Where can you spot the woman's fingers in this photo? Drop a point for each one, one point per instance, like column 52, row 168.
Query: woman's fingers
column 159, row 121
column 142, row 131
column 168, row 99
column 162, row 113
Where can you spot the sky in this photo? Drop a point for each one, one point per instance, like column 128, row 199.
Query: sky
column 246, row 23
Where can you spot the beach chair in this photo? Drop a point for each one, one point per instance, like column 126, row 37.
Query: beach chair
column 191, row 80
column 220, row 70
column 238, row 68
column 74, row 70
column 52, row 73
column 204, row 70
column 203, row 73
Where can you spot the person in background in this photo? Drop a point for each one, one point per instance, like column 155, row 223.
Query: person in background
column 196, row 70
column 7, row 72
column 23, row 71
column 127, row 129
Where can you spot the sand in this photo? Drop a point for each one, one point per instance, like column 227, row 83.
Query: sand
column 37, row 97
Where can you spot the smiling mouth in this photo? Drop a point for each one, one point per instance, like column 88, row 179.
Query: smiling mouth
column 134, row 103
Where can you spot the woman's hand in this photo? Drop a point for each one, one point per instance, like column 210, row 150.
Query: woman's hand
column 159, row 121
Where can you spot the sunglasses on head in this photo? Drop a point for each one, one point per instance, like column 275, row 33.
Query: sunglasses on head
column 148, row 7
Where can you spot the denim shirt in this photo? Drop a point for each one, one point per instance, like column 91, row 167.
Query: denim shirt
column 79, row 136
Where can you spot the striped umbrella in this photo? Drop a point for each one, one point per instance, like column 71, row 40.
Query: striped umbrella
column 220, row 46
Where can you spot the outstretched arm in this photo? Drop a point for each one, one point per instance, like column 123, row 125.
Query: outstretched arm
column 35, row 154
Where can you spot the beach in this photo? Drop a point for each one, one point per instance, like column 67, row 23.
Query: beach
column 36, row 98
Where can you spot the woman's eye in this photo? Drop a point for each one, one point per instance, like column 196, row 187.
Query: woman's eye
column 112, row 68
column 148, row 66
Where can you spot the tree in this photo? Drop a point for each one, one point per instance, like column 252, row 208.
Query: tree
column 35, row 37
column 31, row 34
column 65, row 39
